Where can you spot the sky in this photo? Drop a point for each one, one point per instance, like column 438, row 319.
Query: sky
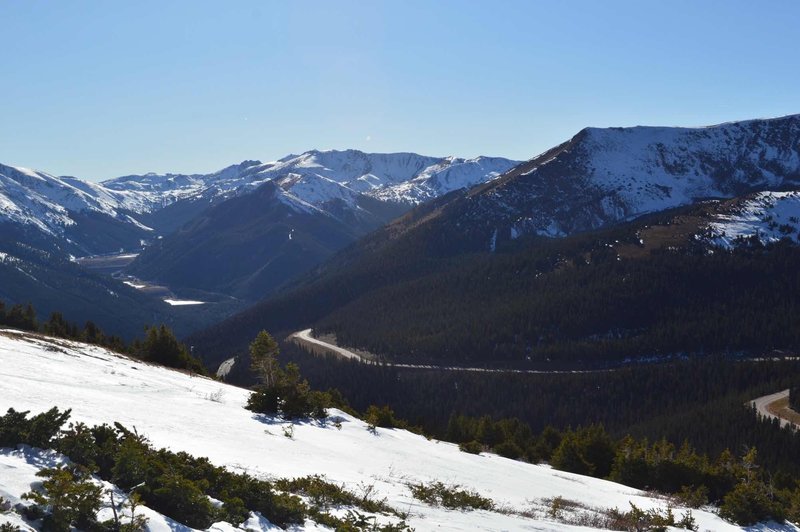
column 99, row 89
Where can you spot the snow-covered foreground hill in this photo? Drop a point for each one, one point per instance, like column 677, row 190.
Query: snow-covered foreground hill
column 206, row 418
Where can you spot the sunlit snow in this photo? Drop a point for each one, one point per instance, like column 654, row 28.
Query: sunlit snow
column 206, row 418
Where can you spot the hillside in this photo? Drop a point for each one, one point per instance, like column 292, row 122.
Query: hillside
column 277, row 220
column 245, row 246
column 656, row 287
column 83, row 217
column 605, row 176
column 207, row 418
column 283, row 218
column 524, row 269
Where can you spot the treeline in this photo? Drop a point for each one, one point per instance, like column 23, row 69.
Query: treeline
column 159, row 345
column 24, row 317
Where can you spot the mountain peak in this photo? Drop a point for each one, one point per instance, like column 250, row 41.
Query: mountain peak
column 606, row 175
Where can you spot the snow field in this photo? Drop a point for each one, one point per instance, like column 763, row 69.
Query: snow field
column 206, row 418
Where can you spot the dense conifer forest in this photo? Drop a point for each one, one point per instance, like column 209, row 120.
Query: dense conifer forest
column 591, row 300
column 701, row 400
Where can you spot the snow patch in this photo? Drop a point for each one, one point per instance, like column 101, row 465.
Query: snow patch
column 767, row 216
column 182, row 302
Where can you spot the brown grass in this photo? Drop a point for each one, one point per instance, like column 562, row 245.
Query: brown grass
column 677, row 234
column 781, row 409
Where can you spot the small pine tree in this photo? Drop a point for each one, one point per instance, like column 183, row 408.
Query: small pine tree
column 183, row 500
column 57, row 325
column 264, row 358
column 23, row 318
column 68, row 497
column 162, row 347
column 92, row 334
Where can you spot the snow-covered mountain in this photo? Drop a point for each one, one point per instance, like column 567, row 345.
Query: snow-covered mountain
column 207, row 418
column 319, row 177
column 602, row 176
column 337, row 183
column 48, row 203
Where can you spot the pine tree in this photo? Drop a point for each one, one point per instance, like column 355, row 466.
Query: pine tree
column 57, row 325
column 264, row 358
column 69, row 497
column 161, row 346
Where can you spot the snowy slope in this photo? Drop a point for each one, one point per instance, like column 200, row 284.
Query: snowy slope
column 320, row 176
column 43, row 201
column 330, row 183
column 767, row 216
column 317, row 177
column 156, row 191
column 602, row 176
column 207, row 418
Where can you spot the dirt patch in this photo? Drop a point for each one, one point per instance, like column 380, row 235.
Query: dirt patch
column 679, row 232
column 781, row 409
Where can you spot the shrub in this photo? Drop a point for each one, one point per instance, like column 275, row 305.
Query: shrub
column 322, row 493
column 78, row 444
column 381, row 417
column 471, row 447
column 183, row 500
column 38, row 431
column 588, row 451
column 508, row 449
column 263, row 400
column 654, row 520
column 693, row 497
column 452, row 497
column 130, row 462
column 748, row 503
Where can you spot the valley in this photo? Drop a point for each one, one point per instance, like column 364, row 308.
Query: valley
column 341, row 266
column 115, row 264
column 484, row 301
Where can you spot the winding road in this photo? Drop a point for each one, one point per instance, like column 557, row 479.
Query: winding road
column 762, row 406
column 304, row 338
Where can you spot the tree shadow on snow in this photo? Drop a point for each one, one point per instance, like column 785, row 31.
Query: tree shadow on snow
column 328, row 422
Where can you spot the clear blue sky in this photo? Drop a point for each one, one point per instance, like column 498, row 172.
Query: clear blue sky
column 99, row 89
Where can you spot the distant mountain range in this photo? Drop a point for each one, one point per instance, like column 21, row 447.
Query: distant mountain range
column 314, row 181
column 241, row 231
